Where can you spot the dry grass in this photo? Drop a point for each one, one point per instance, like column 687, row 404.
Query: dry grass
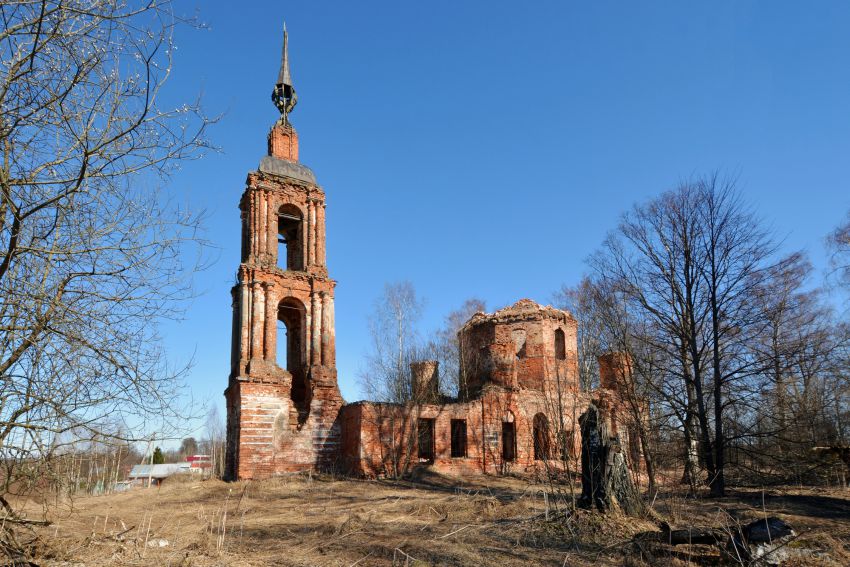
column 435, row 521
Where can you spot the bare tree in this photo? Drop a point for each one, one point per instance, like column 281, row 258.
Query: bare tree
column 394, row 334
column 839, row 245
column 692, row 262
column 578, row 300
column 801, row 351
column 651, row 259
column 91, row 249
column 216, row 441
column 445, row 346
column 188, row 447
column 737, row 254
column 387, row 374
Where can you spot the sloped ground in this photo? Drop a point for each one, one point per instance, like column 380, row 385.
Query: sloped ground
column 433, row 521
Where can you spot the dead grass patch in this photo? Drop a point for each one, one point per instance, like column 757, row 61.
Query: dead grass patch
column 437, row 521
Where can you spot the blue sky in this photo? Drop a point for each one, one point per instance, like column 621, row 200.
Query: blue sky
column 485, row 148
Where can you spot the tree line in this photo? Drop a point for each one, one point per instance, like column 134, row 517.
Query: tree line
column 737, row 348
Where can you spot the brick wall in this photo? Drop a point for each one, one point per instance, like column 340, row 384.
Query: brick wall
column 380, row 438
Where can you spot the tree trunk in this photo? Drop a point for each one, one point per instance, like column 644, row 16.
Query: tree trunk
column 648, row 460
column 717, row 482
column 691, row 456
column 605, row 479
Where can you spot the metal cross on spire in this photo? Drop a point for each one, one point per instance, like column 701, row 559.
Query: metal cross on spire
column 283, row 95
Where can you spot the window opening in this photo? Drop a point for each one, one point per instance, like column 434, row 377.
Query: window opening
column 458, row 433
column 425, row 430
column 560, row 345
column 520, row 354
column 519, row 338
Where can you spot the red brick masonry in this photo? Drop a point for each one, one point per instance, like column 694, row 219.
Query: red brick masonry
column 518, row 410
column 518, row 406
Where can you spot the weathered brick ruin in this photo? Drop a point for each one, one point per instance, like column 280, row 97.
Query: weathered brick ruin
column 518, row 405
column 517, row 411
column 282, row 415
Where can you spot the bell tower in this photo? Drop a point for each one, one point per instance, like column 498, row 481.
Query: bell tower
column 282, row 396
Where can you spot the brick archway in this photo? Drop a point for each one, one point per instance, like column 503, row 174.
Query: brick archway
column 290, row 237
column 293, row 314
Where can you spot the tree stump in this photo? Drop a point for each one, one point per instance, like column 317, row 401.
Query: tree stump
column 605, row 478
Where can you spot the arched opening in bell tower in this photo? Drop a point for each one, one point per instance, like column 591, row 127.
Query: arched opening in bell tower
column 291, row 338
column 290, row 235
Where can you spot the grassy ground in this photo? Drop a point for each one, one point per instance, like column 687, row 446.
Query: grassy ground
column 434, row 521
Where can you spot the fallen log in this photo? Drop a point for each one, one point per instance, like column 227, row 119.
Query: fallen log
column 765, row 540
column 686, row 536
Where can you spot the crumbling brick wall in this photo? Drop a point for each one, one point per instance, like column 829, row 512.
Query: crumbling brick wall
column 387, row 436
column 520, row 409
column 515, row 347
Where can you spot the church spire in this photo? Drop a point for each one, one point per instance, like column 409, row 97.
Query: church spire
column 283, row 95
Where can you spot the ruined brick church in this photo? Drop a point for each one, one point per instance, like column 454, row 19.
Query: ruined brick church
column 517, row 409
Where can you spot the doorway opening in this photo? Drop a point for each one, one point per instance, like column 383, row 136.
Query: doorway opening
column 508, row 441
column 541, row 437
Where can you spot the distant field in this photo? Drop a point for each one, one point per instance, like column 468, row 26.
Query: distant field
column 436, row 521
